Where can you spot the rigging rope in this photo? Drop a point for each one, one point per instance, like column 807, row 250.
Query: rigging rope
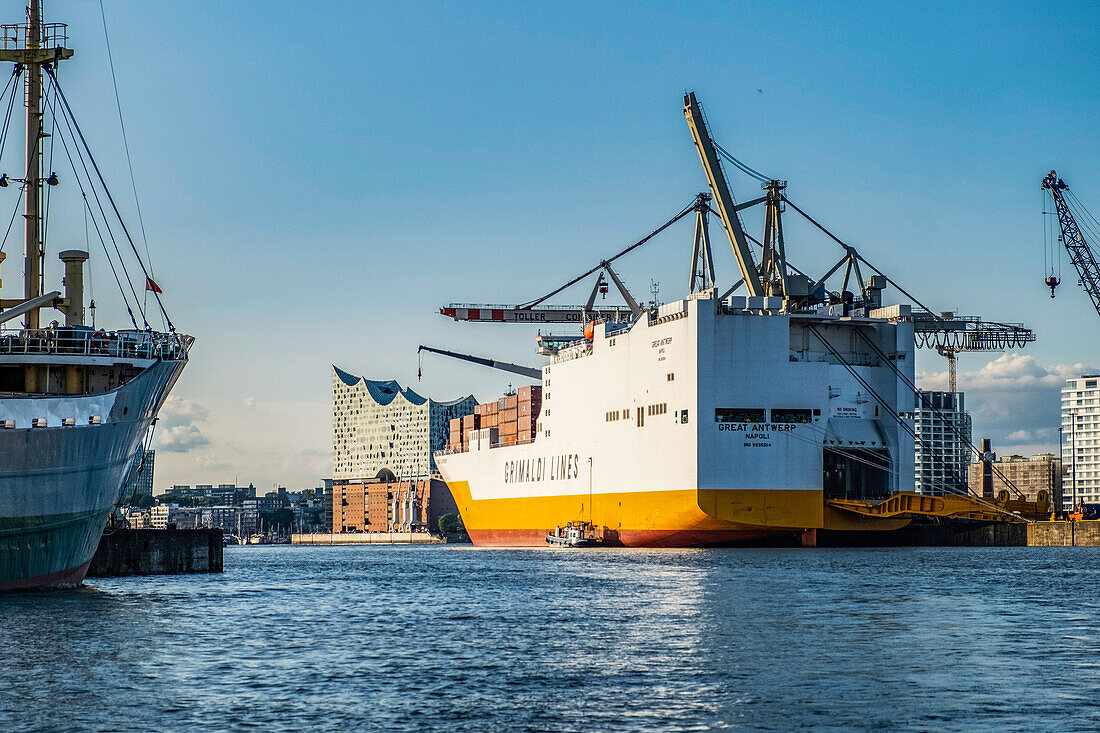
column 16, row 73
column 951, row 423
column 103, row 213
column 125, row 142
column 71, row 118
column 743, row 167
column 889, row 410
column 88, row 212
column 690, row 207
column 50, row 104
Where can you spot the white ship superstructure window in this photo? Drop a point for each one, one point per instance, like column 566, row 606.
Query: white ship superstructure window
column 739, row 414
column 792, row 415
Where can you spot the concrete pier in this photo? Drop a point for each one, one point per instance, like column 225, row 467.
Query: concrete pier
column 157, row 552
column 367, row 538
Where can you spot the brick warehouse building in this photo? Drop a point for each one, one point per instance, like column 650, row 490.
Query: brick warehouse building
column 383, row 440
column 383, row 506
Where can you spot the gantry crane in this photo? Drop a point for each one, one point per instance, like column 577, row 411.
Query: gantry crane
column 1080, row 253
column 775, row 276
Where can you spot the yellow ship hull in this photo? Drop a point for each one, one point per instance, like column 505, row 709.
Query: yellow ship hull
column 671, row 518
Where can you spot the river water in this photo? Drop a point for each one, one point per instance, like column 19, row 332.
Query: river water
column 462, row 639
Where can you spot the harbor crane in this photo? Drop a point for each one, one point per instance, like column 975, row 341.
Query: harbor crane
column 1080, row 253
column 524, row 371
column 947, row 332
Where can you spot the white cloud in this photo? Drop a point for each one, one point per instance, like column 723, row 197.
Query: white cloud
column 247, row 441
column 1014, row 400
column 180, row 439
column 178, row 428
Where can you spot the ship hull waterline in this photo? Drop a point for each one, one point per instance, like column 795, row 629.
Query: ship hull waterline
column 671, row 518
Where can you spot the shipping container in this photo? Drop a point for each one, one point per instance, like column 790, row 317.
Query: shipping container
column 530, row 392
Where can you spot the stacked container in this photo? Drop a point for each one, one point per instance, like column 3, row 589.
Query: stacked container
column 455, row 440
column 514, row 416
column 529, row 406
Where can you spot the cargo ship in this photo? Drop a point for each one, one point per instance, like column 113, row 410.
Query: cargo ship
column 705, row 422
column 77, row 403
column 715, row 419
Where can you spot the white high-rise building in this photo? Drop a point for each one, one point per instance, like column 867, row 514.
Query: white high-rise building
column 944, row 430
column 1081, row 440
column 380, row 426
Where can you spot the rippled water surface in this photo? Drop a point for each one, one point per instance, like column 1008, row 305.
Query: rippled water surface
column 462, row 639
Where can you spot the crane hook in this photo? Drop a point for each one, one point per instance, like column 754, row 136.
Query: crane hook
column 1052, row 282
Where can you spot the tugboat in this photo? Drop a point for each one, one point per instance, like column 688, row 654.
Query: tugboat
column 77, row 403
column 574, row 534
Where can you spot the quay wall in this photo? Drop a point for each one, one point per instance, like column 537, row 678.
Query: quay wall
column 366, row 538
column 1064, row 534
column 934, row 534
column 157, row 552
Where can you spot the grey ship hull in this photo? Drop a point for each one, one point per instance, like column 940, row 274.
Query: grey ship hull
column 59, row 483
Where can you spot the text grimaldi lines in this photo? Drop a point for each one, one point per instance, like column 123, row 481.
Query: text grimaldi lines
column 554, row 468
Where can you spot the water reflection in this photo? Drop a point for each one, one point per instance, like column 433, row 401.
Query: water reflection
column 412, row 638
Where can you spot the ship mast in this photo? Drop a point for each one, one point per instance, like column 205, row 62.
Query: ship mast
column 32, row 239
column 32, row 56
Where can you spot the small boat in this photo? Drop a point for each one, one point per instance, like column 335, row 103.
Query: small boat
column 574, row 534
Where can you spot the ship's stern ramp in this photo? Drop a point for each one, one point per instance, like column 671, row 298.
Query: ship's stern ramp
column 910, row 505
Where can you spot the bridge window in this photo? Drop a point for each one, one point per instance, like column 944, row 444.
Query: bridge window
column 739, row 414
column 791, row 414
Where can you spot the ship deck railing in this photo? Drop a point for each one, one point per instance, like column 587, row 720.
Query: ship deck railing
column 466, row 448
column 577, row 350
column 82, row 341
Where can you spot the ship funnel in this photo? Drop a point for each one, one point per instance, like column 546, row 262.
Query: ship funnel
column 74, row 260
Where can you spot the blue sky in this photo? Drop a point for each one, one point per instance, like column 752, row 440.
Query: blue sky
column 318, row 178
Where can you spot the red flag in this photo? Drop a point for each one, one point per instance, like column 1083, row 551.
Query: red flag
column 150, row 285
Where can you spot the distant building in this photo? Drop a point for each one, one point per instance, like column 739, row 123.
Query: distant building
column 399, row 506
column 229, row 519
column 186, row 517
column 160, row 515
column 944, row 430
column 140, row 482
column 327, row 499
column 250, row 516
column 1029, row 476
column 138, row 518
column 1081, row 440
column 380, row 429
